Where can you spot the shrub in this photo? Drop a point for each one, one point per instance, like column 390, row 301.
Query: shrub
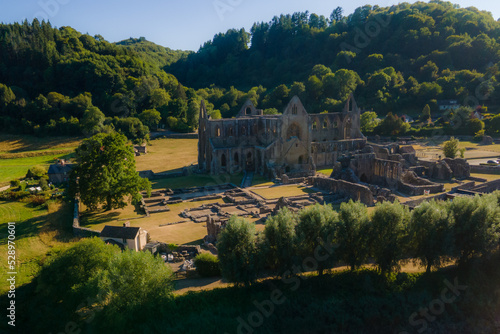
column 207, row 265
column 15, row 183
column 36, row 172
column 43, row 184
column 450, row 148
column 37, row 200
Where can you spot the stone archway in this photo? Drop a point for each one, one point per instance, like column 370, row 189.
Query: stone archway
column 293, row 131
column 250, row 164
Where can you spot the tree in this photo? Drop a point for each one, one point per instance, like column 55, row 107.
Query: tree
column 207, row 265
column 106, row 172
column 133, row 280
column 279, row 236
column 316, row 233
column 494, row 125
column 430, row 234
column 93, row 121
column 336, row 15
column 450, row 148
column 150, row 118
column 426, row 113
column 476, row 225
column 388, row 232
column 368, row 121
column 392, row 125
column 352, row 234
column 63, row 273
column 36, row 172
column 238, row 256
column 6, row 95
column 475, row 126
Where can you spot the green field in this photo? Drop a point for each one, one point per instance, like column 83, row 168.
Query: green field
column 20, row 153
column 37, row 232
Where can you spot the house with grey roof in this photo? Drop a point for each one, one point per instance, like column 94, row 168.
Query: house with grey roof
column 134, row 238
column 59, row 172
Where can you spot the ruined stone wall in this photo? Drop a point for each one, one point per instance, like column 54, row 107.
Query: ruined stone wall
column 488, row 187
column 348, row 189
column 413, row 190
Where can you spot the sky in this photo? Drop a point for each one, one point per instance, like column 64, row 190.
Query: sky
column 179, row 24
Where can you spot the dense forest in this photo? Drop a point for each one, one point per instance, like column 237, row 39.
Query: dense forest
column 395, row 57
column 396, row 60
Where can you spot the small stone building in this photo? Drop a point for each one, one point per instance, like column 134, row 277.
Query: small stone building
column 59, row 173
column 134, row 238
column 293, row 142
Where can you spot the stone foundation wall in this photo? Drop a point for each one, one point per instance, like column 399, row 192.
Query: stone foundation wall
column 419, row 190
column 485, row 169
column 348, row 189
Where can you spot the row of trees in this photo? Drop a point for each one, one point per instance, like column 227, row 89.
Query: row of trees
column 318, row 238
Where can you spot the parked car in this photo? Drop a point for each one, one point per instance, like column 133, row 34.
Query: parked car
column 493, row 162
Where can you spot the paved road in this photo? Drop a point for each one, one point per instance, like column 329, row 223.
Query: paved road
column 477, row 162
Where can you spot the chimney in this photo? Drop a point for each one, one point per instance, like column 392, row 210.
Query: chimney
column 126, row 224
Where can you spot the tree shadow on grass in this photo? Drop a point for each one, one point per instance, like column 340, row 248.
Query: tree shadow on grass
column 59, row 221
column 95, row 218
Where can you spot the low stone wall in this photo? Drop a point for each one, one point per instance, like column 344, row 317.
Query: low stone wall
column 485, row 169
column 465, row 186
column 412, row 190
column 348, row 189
column 79, row 231
column 413, row 204
column 488, row 187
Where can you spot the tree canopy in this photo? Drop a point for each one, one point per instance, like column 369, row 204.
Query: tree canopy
column 105, row 172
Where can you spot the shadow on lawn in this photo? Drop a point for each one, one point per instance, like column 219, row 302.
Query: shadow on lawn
column 60, row 221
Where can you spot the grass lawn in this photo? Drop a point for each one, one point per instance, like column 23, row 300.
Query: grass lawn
column 20, row 153
column 23, row 143
column 326, row 172
column 488, row 177
column 477, row 152
column 183, row 233
column 196, row 180
column 283, row 191
column 168, row 155
column 37, row 232
column 11, row 169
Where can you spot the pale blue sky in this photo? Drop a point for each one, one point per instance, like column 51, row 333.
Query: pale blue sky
column 178, row 24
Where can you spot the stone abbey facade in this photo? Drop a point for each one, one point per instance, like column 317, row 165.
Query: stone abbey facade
column 294, row 142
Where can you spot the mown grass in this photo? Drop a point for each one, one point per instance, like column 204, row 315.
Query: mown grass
column 11, row 169
column 166, row 155
column 37, row 232
column 26, row 144
column 283, row 191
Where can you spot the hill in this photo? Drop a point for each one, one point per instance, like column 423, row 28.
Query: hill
column 153, row 53
column 405, row 55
